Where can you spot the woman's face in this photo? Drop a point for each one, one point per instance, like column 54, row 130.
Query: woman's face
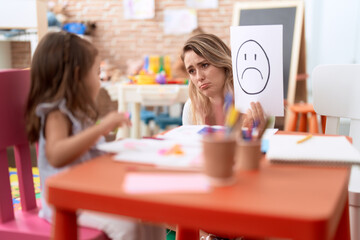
column 93, row 79
column 208, row 79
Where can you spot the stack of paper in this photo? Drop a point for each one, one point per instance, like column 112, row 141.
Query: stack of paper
column 316, row 150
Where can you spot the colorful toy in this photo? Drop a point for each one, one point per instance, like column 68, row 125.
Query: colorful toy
column 160, row 78
column 156, row 70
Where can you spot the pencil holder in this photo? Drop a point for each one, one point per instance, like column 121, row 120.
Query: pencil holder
column 219, row 153
column 248, row 155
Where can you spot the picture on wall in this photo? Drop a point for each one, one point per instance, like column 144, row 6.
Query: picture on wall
column 202, row 4
column 139, row 9
column 179, row 21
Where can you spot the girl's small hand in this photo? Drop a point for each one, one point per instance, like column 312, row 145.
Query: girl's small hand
column 255, row 116
column 114, row 120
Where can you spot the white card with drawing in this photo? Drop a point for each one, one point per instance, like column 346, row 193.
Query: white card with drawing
column 257, row 59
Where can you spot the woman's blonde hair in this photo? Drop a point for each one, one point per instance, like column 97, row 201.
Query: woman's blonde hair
column 218, row 54
column 59, row 67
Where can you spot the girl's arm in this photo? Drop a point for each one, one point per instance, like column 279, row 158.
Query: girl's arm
column 63, row 148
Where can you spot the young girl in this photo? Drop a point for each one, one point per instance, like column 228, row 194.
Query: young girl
column 61, row 115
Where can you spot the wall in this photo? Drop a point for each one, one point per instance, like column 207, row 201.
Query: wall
column 20, row 54
column 332, row 34
column 5, row 56
column 120, row 40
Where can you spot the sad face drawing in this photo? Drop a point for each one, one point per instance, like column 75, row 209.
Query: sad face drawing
column 252, row 67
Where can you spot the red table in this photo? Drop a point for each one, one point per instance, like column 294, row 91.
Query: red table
column 285, row 201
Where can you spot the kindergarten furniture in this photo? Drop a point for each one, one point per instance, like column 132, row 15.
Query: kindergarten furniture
column 336, row 95
column 25, row 223
column 147, row 95
column 284, row 201
column 303, row 118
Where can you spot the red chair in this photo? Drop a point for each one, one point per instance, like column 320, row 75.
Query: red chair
column 24, row 224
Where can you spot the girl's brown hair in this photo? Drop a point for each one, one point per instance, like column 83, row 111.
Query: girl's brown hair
column 59, row 66
column 214, row 50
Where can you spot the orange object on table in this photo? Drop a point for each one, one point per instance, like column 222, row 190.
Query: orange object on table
column 299, row 116
column 283, row 201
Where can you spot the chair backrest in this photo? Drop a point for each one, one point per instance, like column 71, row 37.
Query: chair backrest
column 336, row 94
column 14, row 89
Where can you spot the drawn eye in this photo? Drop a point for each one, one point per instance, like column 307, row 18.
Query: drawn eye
column 255, row 56
column 245, row 56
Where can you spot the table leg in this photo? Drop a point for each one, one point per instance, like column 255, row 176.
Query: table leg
column 135, row 119
column 343, row 230
column 123, row 132
column 64, row 226
column 183, row 233
column 303, row 122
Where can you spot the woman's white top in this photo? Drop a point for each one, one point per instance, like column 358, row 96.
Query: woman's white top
column 45, row 169
column 187, row 115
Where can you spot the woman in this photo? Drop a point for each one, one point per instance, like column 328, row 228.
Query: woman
column 207, row 60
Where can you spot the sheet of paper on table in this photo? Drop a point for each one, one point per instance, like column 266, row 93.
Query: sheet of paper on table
column 155, row 152
column 165, row 183
column 190, row 134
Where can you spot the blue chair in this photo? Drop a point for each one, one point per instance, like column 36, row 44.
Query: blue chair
column 164, row 119
column 146, row 117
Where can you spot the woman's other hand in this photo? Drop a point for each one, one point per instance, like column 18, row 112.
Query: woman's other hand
column 255, row 117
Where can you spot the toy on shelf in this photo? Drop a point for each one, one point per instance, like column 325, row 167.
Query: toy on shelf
column 160, row 78
column 57, row 15
column 156, row 70
column 143, row 78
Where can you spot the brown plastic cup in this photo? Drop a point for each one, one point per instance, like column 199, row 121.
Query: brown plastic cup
column 219, row 153
column 248, row 155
